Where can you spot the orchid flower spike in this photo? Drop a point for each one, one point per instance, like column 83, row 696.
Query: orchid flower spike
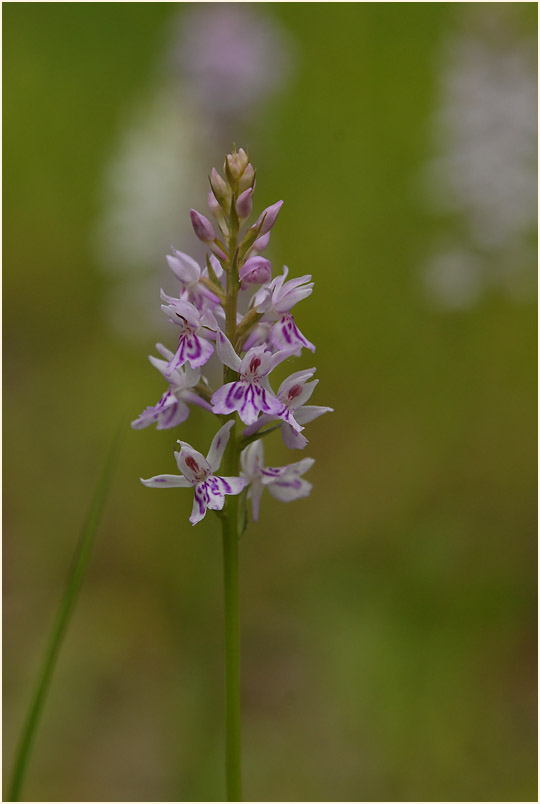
column 248, row 339
column 198, row 471
column 285, row 483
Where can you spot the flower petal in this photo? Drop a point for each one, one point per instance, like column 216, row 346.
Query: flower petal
column 254, row 494
column 282, row 355
column 184, row 267
column 291, row 438
column 223, row 399
column 288, row 489
column 217, row 447
column 307, row 413
column 166, row 482
column 286, row 335
column 252, row 460
column 226, row 353
column 231, row 485
column 200, row 503
column 197, row 351
column 191, row 463
column 195, row 399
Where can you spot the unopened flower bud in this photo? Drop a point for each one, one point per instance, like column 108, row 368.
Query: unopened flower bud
column 242, row 159
column 247, row 179
column 267, row 218
column 244, row 204
column 235, row 164
column 260, row 244
column 255, row 271
column 219, row 186
column 213, row 204
column 202, row 226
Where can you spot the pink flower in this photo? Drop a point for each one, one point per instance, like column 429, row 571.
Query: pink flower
column 172, row 409
column 198, row 471
column 285, row 483
column 275, row 302
column 251, row 394
column 293, row 393
column 195, row 328
column 188, row 273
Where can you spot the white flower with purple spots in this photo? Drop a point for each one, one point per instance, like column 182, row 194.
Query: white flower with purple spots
column 285, row 483
column 188, row 272
column 172, row 409
column 275, row 302
column 195, row 329
column 251, row 394
column 293, row 393
column 198, row 471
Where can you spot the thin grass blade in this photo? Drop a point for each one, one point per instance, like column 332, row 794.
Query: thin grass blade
column 66, row 608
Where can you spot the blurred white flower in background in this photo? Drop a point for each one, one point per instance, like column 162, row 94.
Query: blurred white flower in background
column 483, row 180
column 221, row 64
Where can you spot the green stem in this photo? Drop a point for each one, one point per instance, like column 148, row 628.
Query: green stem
column 231, row 466
column 67, row 605
column 232, row 633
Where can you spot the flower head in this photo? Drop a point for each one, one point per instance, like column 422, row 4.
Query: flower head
column 195, row 328
column 285, row 483
column 293, row 393
column 251, row 394
column 189, row 274
column 275, row 302
column 198, row 471
column 172, row 409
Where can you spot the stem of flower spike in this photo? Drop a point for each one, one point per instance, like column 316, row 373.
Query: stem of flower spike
column 231, row 464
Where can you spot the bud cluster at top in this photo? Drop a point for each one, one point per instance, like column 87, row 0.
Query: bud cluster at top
column 248, row 347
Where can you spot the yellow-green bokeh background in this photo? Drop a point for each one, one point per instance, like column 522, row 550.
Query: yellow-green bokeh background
column 388, row 622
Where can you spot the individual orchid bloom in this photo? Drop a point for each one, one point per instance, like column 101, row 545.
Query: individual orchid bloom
column 251, row 394
column 172, row 409
column 293, row 393
column 189, row 274
column 285, row 483
column 275, row 301
column 198, row 471
column 196, row 327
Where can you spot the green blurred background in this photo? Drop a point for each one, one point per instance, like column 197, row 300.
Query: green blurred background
column 388, row 622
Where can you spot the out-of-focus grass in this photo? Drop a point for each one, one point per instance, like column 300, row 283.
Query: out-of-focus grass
column 388, row 622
